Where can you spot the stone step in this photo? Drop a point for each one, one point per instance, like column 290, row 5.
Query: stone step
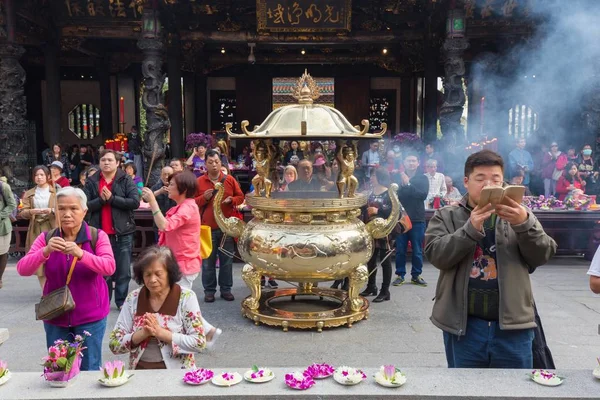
column 422, row 383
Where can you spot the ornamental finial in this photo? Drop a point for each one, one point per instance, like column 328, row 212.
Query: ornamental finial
column 306, row 90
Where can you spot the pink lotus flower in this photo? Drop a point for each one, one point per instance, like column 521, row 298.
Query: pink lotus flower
column 113, row 370
column 389, row 371
column 3, row 368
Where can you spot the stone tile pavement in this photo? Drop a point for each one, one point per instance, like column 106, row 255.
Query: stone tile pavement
column 398, row 331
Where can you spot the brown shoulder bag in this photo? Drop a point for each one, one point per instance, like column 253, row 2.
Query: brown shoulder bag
column 57, row 302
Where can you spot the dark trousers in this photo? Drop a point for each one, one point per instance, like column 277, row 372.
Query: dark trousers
column 416, row 236
column 386, row 266
column 485, row 345
column 122, row 246
column 209, row 272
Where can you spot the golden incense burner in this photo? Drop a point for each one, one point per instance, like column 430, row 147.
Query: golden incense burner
column 306, row 237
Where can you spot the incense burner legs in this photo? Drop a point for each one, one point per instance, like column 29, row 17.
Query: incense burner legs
column 358, row 278
column 252, row 278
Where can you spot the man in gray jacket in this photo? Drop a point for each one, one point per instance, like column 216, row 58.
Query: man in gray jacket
column 485, row 253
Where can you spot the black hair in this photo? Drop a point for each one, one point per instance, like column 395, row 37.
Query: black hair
column 212, row 153
column 483, row 158
column 157, row 253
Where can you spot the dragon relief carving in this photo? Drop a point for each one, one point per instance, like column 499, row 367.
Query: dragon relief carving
column 153, row 102
column 15, row 152
column 454, row 95
column 12, row 88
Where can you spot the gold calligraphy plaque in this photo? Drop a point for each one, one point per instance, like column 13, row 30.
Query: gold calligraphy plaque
column 304, row 15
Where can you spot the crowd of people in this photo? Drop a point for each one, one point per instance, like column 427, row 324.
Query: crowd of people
column 88, row 225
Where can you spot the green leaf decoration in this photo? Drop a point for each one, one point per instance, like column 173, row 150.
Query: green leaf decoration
column 106, row 374
column 61, row 362
column 116, row 374
column 70, row 363
column 255, row 368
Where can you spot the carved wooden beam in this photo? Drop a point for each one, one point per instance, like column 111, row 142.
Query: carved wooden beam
column 299, row 59
column 124, row 30
column 130, row 30
column 34, row 19
column 304, row 38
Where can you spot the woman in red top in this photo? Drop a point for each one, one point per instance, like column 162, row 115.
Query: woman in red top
column 569, row 181
column 56, row 169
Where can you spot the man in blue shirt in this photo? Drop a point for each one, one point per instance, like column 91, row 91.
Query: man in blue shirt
column 520, row 160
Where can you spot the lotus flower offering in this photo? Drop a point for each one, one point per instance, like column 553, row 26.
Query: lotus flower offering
column 259, row 375
column 595, row 372
column 390, row 376
column 198, row 376
column 546, row 378
column 4, row 373
column 319, row 371
column 297, row 380
column 348, row 375
column 114, row 374
column 227, row 379
column 63, row 362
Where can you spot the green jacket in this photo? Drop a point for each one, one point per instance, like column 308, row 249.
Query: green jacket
column 7, row 205
column 450, row 246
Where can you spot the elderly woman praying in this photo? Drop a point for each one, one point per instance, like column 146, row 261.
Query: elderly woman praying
column 160, row 324
column 87, row 251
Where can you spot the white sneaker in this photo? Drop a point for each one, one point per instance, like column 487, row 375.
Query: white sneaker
column 215, row 336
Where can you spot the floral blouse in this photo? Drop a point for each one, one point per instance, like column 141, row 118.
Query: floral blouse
column 185, row 325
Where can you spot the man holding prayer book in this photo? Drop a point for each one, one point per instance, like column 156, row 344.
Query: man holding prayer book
column 485, row 251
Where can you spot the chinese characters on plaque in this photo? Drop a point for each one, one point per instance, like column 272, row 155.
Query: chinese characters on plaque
column 304, row 15
column 104, row 8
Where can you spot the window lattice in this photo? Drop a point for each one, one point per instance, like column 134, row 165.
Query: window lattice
column 84, row 121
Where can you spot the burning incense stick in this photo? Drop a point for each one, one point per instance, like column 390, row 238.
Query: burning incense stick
column 154, row 151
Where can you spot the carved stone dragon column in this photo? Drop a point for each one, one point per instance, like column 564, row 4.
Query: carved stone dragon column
column 454, row 68
column 157, row 116
column 17, row 146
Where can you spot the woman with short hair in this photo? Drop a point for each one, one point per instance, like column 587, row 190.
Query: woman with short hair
column 289, row 175
column 87, row 251
column 179, row 230
column 160, row 324
column 131, row 170
column 56, row 169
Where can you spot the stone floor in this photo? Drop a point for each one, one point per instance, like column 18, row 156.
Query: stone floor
column 398, row 331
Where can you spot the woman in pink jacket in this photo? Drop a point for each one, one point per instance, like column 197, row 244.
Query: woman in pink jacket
column 180, row 231
column 91, row 249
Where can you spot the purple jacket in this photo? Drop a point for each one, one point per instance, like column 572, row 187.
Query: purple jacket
column 88, row 287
